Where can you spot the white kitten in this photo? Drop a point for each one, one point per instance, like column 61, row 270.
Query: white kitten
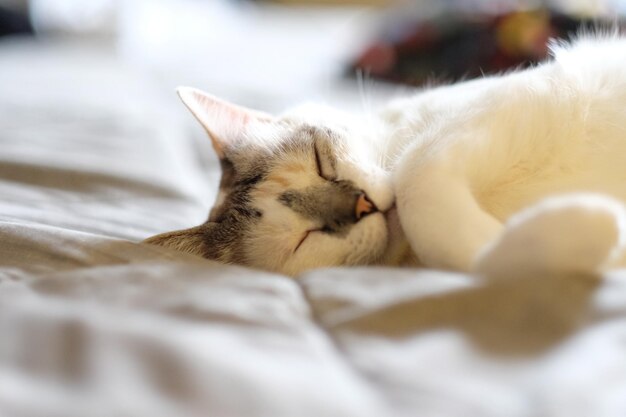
column 316, row 187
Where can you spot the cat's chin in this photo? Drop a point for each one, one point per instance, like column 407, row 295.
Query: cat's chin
column 398, row 251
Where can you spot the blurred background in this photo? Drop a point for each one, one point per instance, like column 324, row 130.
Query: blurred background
column 271, row 54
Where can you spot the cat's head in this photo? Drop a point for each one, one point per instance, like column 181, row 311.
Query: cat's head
column 297, row 192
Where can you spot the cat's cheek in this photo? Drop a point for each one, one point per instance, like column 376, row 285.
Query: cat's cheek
column 317, row 251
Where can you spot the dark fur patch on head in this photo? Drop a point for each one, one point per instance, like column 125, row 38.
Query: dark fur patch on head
column 230, row 221
column 228, row 173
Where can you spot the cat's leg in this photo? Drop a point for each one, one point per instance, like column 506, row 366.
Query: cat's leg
column 443, row 222
column 583, row 233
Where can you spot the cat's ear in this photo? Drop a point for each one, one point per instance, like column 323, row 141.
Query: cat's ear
column 224, row 122
column 188, row 240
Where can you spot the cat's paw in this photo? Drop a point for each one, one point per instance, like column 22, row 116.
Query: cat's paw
column 583, row 233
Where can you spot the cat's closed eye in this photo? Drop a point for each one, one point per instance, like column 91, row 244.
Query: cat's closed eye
column 324, row 160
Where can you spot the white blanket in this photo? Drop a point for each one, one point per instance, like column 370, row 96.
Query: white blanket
column 92, row 160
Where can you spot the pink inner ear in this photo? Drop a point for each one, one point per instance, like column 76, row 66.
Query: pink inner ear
column 223, row 121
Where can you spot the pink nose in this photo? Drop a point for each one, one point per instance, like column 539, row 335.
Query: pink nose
column 364, row 206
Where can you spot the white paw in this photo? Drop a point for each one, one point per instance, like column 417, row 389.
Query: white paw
column 574, row 233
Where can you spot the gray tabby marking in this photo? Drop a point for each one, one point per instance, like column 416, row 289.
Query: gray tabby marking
column 229, row 222
column 331, row 205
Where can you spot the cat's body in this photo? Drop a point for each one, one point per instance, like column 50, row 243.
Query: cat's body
column 460, row 162
column 502, row 144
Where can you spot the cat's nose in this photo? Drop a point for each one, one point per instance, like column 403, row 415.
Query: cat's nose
column 364, row 206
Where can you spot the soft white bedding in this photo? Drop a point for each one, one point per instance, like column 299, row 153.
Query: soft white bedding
column 93, row 159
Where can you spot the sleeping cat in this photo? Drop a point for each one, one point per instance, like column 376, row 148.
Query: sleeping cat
column 523, row 171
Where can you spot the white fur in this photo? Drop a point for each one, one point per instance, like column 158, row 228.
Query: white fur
column 470, row 156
